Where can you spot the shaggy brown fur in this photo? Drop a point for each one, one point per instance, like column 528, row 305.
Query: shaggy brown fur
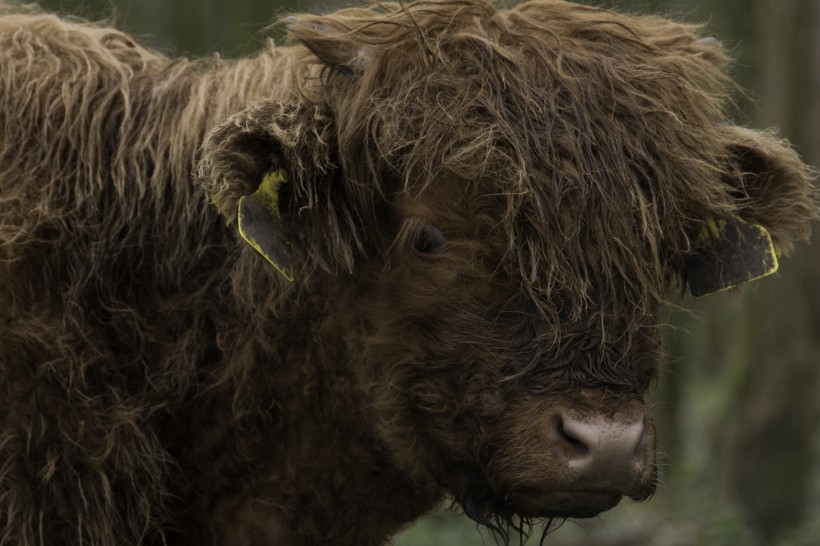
column 486, row 210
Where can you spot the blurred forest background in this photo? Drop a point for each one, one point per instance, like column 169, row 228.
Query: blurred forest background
column 738, row 408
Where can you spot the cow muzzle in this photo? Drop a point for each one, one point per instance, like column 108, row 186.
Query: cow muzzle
column 585, row 462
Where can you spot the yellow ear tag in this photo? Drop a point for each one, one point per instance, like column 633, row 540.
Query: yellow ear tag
column 260, row 223
column 728, row 252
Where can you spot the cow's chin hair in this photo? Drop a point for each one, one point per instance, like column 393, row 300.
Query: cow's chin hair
column 503, row 522
column 478, row 502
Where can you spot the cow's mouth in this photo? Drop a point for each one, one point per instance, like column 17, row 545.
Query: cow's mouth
column 563, row 504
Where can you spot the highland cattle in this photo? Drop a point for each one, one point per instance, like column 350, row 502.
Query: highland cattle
column 302, row 297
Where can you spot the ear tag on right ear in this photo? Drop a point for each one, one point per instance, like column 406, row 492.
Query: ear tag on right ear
column 729, row 251
column 260, row 223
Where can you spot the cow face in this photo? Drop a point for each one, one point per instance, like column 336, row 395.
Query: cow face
column 498, row 204
column 513, row 410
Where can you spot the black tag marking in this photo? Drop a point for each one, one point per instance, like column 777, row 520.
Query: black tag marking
column 260, row 224
column 729, row 252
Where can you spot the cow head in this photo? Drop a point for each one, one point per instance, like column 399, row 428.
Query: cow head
column 499, row 203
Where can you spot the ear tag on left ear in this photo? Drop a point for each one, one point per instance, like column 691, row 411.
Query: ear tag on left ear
column 260, row 223
column 729, row 251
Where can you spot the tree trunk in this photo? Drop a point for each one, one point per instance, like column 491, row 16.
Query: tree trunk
column 778, row 415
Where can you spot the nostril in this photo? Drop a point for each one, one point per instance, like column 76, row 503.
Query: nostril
column 570, row 436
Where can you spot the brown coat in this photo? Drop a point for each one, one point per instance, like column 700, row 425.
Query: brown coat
column 485, row 210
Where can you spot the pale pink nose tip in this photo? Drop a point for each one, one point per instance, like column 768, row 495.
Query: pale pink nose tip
column 603, row 454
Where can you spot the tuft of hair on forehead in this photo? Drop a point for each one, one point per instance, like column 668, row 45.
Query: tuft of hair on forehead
column 603, row 134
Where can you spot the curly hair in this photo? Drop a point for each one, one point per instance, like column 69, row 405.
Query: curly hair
column 485, row 209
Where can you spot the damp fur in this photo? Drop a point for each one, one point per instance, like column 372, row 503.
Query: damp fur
column 160, row 383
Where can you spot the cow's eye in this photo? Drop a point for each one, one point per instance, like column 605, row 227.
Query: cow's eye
column 429, row 239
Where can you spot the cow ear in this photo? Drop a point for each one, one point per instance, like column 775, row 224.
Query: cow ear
column 775, row 199
column 773, row 187
column 270, row 171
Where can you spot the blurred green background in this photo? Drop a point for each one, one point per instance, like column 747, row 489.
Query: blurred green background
column 738, row 407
